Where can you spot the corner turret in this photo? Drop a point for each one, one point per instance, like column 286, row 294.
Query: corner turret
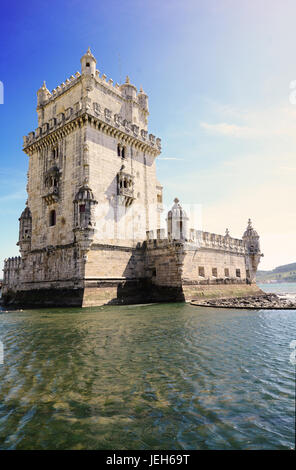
column 143, row 99
column 177, row 222
column 253, row 253
column 25, row 231
column 129, row 90
column 88, row 63
column 42, row 95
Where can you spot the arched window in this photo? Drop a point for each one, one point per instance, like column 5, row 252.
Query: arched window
column 55, row 153
column 52, row 218
column 120, row 151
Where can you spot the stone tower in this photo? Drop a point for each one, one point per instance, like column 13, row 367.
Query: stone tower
column 90, row 233
column 92, row 139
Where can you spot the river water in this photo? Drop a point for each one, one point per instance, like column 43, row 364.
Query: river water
column 162, row 376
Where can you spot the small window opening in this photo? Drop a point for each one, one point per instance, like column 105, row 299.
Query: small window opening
column 214, row 272
column 87, row 64
column 82, row 208
column 226, row 272
column 52, row 218
column 201, row 271
column 238, row 273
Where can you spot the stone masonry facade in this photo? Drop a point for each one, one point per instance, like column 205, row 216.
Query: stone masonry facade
column 91, row 230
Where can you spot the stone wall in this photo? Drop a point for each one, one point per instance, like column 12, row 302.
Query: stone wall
column 210, row 259
column 114, row 262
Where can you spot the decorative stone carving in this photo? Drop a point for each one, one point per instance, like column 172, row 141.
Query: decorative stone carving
column 135, row 129
column 127, row 125
column 152, row 139
column 118, row 119
column 125, row 187
column 68, row 112
column 108, row 114
column 60, row 118
column 97, row 108
column 51, row 183
column 144, row 134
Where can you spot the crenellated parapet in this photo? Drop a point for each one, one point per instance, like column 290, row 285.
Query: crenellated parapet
column 106, row 122
column 219, row 242
column 11, row 273
column 122, row 122
column 126, row 91
column 198, row 240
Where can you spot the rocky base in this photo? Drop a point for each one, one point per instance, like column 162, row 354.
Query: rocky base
column 258, row 302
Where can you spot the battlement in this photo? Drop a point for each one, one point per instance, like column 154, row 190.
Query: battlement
column 199, row 239
column 101, row 79
column 111, row 121
column 13, row 262
column 11, row 272
column 119, row 107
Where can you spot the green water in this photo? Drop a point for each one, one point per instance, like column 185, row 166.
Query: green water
column 164, row 376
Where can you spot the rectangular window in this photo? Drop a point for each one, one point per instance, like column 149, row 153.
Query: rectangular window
column 201, row 271
column 237, row 272
column 214, row 272
column 226, row 272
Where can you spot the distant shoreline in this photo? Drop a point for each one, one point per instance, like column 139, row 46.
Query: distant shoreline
column 275, row 281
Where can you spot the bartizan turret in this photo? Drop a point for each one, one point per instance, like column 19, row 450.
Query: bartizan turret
column 253, row 253
column 84, row 223
column 42, row 95
column 88, row 64
column 177, row 222
column 25, row 231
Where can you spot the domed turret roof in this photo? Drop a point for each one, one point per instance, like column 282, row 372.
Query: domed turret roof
column 250, row 231
column 88, row 55
column 26, row 214
column 84, row 194
column 177, row 211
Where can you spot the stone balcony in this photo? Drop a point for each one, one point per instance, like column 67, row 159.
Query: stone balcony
column 51, row 195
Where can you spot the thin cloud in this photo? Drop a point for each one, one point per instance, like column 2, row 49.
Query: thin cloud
column 229, row 130
column 170, row 158
column 14, row 196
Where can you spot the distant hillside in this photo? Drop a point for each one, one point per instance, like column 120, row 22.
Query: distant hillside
column 285, row 273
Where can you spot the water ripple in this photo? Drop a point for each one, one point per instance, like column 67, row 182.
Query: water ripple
column 166, row 376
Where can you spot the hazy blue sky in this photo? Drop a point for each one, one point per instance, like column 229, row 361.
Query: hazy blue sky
column 218, row 77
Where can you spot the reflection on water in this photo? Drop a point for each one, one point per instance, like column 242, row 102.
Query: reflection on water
column 165, row 376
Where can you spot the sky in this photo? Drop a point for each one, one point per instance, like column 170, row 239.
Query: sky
column 220, row 75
